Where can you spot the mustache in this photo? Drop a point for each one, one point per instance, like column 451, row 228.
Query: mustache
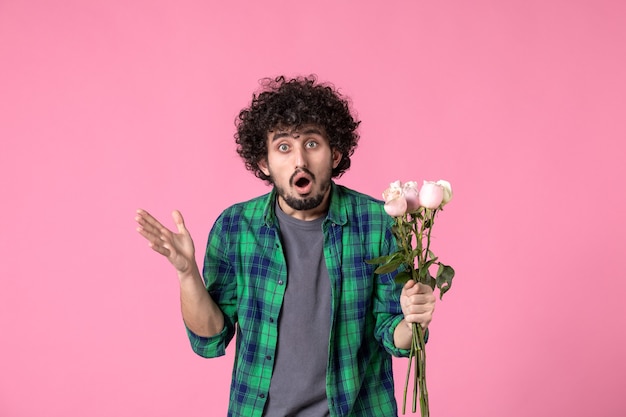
column 298, row 171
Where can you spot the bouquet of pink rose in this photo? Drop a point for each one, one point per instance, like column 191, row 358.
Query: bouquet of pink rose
column 414, row 213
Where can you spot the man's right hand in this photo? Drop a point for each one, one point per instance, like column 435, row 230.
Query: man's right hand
column 176, row 247
column 200, row 313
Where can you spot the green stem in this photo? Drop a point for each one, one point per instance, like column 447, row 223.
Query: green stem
column 405, row 240
column 432, row 222
column 417, row 351
column 406, row 383
column 415, row 347
column 424, row 408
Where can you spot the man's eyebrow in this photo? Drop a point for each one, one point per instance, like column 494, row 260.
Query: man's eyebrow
column 278, row 135
column 307, row 131
column 312, row 131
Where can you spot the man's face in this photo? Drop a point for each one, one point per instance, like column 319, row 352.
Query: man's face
column 300, row 163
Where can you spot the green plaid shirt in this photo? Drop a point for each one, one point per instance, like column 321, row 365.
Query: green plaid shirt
column 246, row 273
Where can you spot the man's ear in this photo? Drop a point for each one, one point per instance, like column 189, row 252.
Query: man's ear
column 337, row 157
column 262, row 164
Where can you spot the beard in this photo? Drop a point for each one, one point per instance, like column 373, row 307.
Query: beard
column 303, row 203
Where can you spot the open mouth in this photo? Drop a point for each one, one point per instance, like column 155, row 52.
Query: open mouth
column 302, row 183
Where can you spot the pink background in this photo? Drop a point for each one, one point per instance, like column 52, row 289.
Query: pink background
column 107, row 106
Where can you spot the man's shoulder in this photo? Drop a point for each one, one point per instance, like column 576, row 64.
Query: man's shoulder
column 251, row 204
column 360, row 210
column 249, row 210
column 362, row 216
column 353, row 198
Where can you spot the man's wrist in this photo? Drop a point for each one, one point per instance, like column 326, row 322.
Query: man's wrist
column 191, row 274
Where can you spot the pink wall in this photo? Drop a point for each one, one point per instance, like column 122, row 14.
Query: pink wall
column 106, row 106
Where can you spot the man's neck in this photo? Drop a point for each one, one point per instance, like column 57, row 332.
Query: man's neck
column 306, row 215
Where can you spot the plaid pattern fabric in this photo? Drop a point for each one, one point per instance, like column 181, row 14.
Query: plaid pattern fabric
column 246, row 274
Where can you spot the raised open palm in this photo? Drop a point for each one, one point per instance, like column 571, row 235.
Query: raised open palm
column 178, row 247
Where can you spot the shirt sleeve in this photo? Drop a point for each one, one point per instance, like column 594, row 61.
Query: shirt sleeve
column 387, row 307
column 220, row 280
column 387, row 304
column 210, row 347
column 388, row 314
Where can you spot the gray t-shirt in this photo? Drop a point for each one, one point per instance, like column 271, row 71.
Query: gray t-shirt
column 298, row 386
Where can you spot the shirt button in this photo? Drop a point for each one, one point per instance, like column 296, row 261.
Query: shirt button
column 261, row 395
column 280, row 282
column 268, row 357
column 271, row 320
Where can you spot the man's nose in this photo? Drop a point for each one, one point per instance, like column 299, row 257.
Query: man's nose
column 300, row 157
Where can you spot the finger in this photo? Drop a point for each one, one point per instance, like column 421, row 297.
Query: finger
column 424, row 289
column 410, row 284
column 148, row 228
column 148, row 221
column 144, row 216
column 422, row 319
column 421, row 298
column 152, row 225
column 411, row 288
column 418, row 309
column 160, row 249
column 419, row 312
column 153, row 238
column 179, row 221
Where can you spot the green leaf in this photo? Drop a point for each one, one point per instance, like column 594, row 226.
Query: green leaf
column 426, row 278
column 431, row 282
column 376, row 261
column 385, row 259
column 402, row 277
column 423, row 273
column 429, row 262
column 444, row 279
column 390, row 266
column 397, row 229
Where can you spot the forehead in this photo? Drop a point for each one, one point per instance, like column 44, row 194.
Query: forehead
column 296, row 131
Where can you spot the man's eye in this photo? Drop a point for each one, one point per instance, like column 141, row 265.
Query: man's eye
column 283, row 147
column 311, row 144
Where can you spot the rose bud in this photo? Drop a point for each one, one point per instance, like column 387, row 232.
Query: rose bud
column 447, row 192
column 411, row 195
column 395, row 203
column 431, row 195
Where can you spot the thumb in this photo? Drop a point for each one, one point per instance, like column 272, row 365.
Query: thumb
column 410, row 284
column 179, row 221
column 424, row 288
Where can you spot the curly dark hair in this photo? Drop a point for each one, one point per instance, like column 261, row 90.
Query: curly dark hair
column 290, row 103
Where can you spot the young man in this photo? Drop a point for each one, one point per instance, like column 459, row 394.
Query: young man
column 285, row 272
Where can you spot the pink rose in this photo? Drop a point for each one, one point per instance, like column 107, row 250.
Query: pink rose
column 411, row 195
column 431, row 195
column 392, row 192
column 395, row 203
column 447, row 192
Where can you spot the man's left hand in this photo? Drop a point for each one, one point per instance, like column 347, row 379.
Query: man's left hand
column 418, row 303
